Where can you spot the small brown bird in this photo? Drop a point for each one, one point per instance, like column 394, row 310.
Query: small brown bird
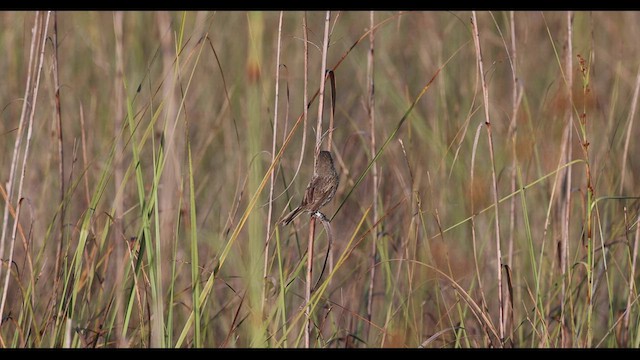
column 320, row 190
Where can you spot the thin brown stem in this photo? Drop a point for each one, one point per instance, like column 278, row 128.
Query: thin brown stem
column 309, row 281
column 374, row 169
column 513, row 131
column 58, row 116
column 485, row 93
column 311, row 242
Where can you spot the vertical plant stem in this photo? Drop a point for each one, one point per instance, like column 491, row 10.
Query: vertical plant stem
column 585, row 69
column 566, row 208
column 305, row 94
column 311, row 242
column 516, row 97
column 374, row 169
column 273, row 156
column 512, row 132
column 325, row 48
column 58, row 115
column 485, row 93
column 472, row 196
column 118, row 171
column 309, row 281
column 195, row 270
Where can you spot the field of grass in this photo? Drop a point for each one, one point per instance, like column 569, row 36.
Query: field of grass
column 488, row 196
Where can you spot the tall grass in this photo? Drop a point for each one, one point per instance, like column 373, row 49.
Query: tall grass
column 141, row 203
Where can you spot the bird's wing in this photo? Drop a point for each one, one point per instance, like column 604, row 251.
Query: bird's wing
column 308, row 193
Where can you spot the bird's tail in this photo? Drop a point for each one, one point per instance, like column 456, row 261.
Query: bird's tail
column 292, row 215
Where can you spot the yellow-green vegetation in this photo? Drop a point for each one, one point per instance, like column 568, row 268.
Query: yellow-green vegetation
column 488, row 192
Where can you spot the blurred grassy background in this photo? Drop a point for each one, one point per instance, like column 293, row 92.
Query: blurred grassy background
column 167, row 126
